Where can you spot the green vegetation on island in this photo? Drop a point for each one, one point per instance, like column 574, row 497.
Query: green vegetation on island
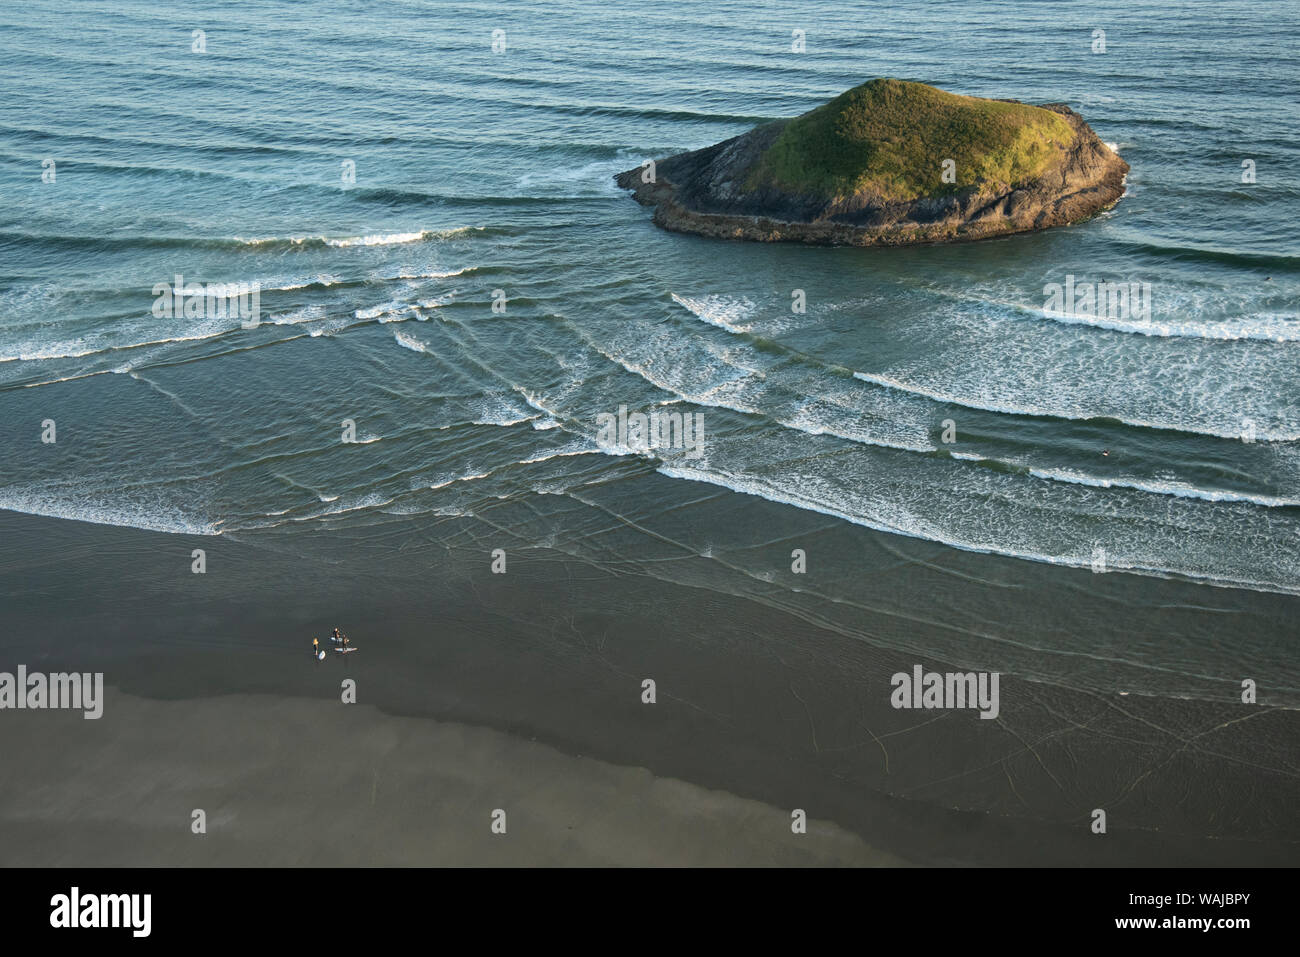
column 890, row 137
column 889, row 162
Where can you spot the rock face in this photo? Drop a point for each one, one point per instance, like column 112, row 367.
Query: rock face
column 889, row 163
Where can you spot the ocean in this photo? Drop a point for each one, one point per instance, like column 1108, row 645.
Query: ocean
column 453, row 292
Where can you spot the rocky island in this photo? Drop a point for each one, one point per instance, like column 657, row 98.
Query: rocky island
column 889, row 163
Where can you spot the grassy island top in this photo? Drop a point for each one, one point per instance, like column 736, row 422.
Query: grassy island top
column 890, row 137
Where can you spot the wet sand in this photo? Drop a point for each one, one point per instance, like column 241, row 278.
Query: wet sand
column 523, row 691
column 290, row 782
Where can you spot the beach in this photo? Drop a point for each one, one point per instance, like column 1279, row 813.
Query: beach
column 524, row 692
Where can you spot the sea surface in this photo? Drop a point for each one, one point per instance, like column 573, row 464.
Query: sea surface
column 1143, row 446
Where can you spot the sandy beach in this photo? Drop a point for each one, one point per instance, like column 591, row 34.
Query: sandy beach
column 312, row 783
column 523, row 692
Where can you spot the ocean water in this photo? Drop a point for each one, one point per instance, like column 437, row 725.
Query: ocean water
column 1149, row 445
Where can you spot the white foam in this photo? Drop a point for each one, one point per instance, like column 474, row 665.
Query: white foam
column 598, row 174
column 467, row 477
column 567, row 451
column 964, row 525
column 1177, row 489
column 502, row 410
column 725, row 312
column 374, row 312
column 305, row 314
column 431, row 275
column 535, row 403
column 504, row 420
column 283, row 285
column 990, row 404
column 68, row 349
column 1266, row 327
column 379, row 239
column 408, row 341
column 372, row 239
column 353, row 504
column 744, row 393
column 90, row 506
column 985, row 349
column 80, row 348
